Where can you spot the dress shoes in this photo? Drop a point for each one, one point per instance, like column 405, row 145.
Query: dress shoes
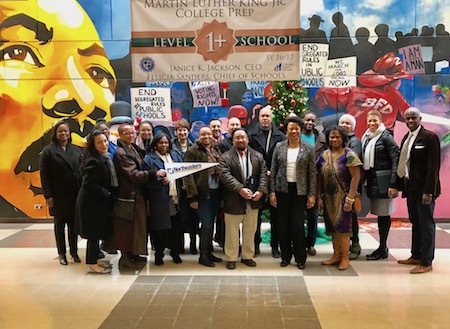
column 214, row 258
column 159, row 261
column 231, row 265
column 248, row 262
column 409, row 261
column 420, row 269
column 312, row 251
column 76, row 258
column 100, row 270
column 378, row 254
column 301, row 266
column 204, row 260
column 284, row 263
column 176, row 258
column 276, row 253
column 62, row 259
column 139, row 259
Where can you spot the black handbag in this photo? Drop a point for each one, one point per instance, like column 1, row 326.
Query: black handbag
column 124, row 209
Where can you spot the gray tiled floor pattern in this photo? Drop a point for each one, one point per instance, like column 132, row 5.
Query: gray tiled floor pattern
column 219, row 302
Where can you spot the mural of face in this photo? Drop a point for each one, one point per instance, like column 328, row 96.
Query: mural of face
column 46, row 73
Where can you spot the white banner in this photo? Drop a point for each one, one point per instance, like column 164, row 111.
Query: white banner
column 205, row 93
column 341, row 72
column 196, row 40
column 177, row 170
column 313, row 64
column 152, row 104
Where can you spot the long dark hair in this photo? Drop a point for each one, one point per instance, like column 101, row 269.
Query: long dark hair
column 156, row 139
column 90, row 150
column 55, row 127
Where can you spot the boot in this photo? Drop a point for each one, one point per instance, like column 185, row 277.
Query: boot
column 193, row 243
column 355, row 250
column 345, row 262
column 126, row 261
column 336, row 258
column 205, row 245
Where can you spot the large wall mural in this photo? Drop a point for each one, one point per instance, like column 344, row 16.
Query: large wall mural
column 68, row 58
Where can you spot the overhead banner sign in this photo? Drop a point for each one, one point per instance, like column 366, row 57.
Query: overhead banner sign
column 152, row 104
column 226, row 40
column 177, row 170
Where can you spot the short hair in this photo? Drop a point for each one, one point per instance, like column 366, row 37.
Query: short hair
column 239, row 129
column 340, row 130
column 293, row 119
column 156, row 140
column 182, row 123
column 55, row 127
column 215, row 119
column 309, row 112
column 204, row 126
column 374, row 112
column 122, row 127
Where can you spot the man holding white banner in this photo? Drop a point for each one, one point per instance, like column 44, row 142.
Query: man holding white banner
column 202, row 188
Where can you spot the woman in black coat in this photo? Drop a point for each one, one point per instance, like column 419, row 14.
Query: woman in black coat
column 93, row 213
column 59, row 169
column 380, row 153
column 164, row 199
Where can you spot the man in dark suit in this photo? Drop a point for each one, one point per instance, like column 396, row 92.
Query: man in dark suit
column 243, row 173
column 263, row 138
column 418, row 170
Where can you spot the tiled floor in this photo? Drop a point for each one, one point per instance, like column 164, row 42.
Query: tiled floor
column 37, row 292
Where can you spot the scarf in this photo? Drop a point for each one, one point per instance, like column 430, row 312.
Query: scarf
column 369, row 140
column 166, row 158
column 112, row 169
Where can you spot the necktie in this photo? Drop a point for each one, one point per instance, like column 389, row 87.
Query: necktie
column 402, row 161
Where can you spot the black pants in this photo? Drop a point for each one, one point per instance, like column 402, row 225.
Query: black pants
column 92, row 251
column 291, row 217
column 171, row 238
column 60, row 236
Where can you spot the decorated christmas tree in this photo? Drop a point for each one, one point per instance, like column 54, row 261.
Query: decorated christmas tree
column 287, row 98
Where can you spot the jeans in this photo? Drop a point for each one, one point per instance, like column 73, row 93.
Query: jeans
column 423, row 230
column 208, row 209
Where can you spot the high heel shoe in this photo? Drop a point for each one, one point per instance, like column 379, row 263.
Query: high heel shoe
column 99, row 271
column 76, row 258
column 62, row 259
column 104, row 264
column 378, row 254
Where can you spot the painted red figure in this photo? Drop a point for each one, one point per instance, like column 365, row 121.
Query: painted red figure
column 378, row 90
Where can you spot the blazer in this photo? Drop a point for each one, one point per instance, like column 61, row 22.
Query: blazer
column 306, row 175
column 93, row 213
column 233, row 180
column 424, row 166
column 158, row 193
column 59, row 177
column 386, row 159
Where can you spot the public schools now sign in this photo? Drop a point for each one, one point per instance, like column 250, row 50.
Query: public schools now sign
column 223, row 40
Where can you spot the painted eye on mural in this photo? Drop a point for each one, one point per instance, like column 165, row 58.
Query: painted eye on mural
column 20, row 53
column 102, row 77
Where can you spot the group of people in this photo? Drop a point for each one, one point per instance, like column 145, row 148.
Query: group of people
column 120, row 194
